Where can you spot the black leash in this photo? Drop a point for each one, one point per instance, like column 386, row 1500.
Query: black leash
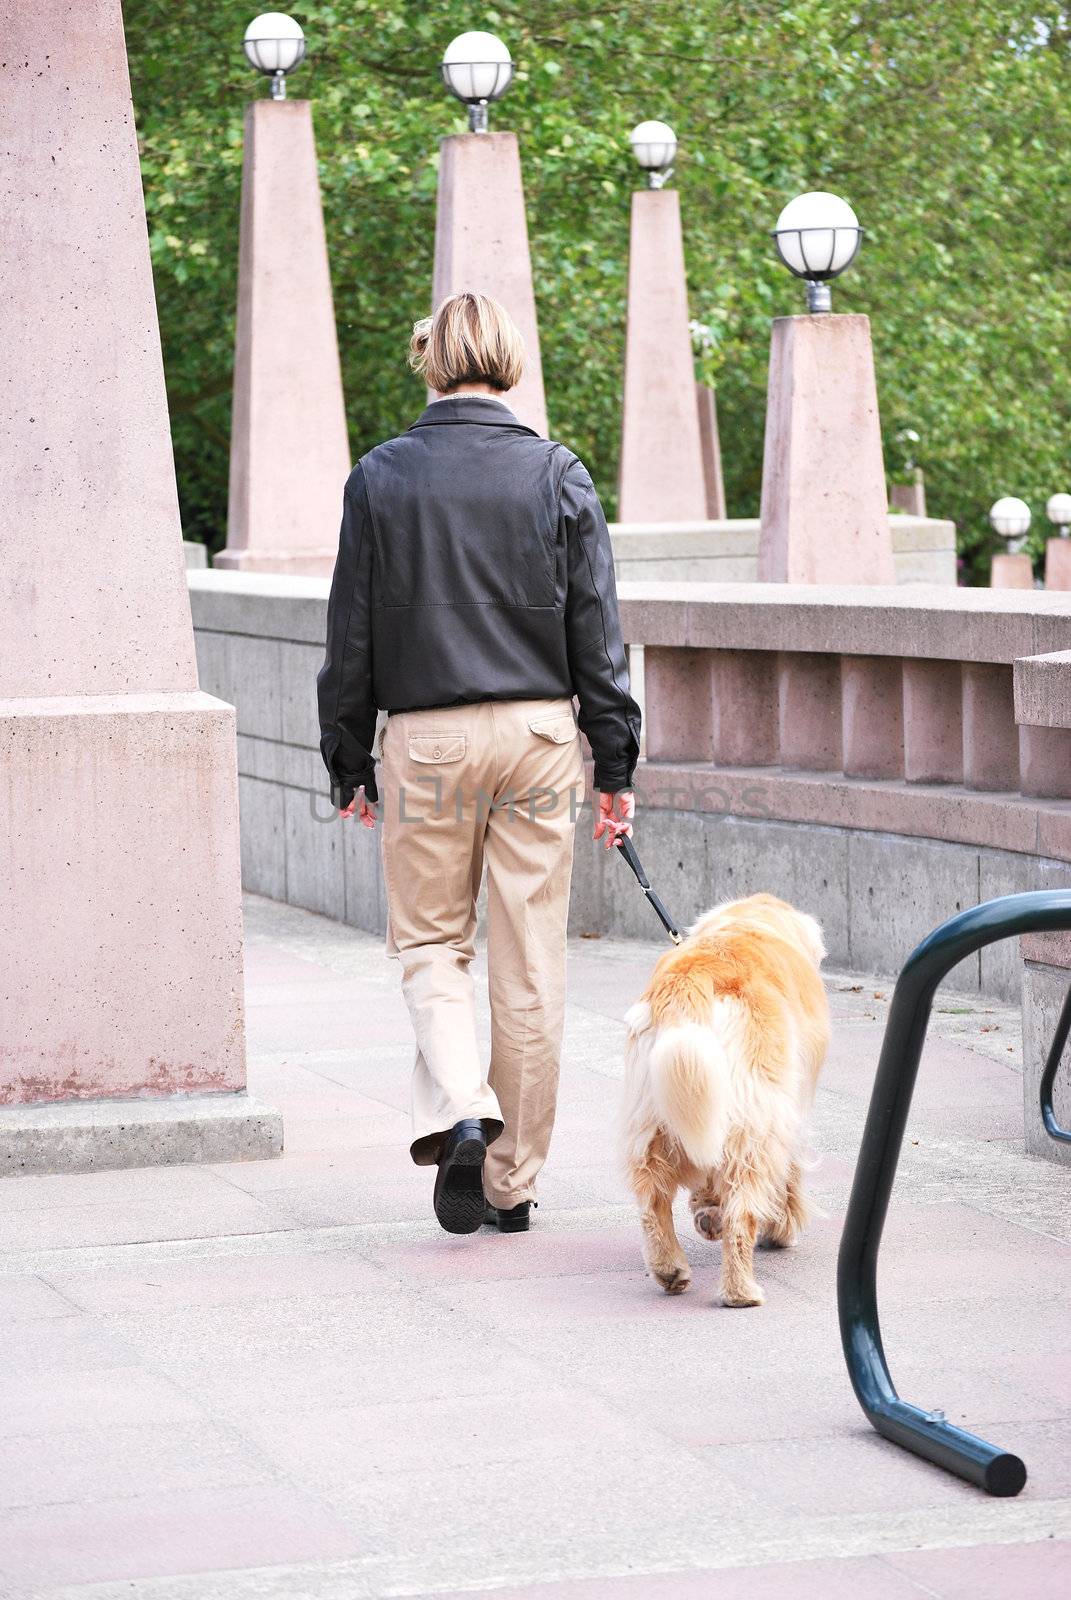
column 628, row 850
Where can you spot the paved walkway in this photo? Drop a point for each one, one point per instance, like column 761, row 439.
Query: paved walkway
column 280, row 1379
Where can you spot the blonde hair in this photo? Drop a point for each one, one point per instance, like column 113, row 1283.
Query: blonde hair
column 470, row 339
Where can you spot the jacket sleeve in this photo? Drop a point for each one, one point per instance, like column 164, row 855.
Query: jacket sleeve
column 347, row 708
column 608, row 714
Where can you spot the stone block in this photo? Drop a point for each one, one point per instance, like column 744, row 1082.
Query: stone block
column 298, row 666
column 678, row 709
column 710, row 445
column 194, row 553
column 1043, row 690
column 1011, row 571
column 990, row 737
column 825, row 512
column 933, row 724
column 1045, row 762
column 661, row 475
column 116, row 900
column 315, row 877
column 672, row 846
column 365, row 891
column 900, row 890
column 1049, row 949
column 586, row 898
column 89, row 1136
column 809, row 711
column 1044, row 992
column 744, row 707
column 872, row 712
column 1058, row 564
column 263, row 831
column 253, row 671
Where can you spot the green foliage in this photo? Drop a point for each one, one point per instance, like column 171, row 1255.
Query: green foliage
column 947, row 127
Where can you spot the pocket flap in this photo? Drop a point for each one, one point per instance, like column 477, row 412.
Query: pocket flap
column 559, row 727
column 436, row 748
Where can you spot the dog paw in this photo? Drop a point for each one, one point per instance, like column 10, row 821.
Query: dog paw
column 748, row 1295
column 674, row 1280
column 707, row 1220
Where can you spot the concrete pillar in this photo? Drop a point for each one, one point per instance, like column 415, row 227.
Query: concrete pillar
column 872, row 726
column 809, row 711
column 990, row 737
column 824, row 510
column 1011, row 572
column 121, row 936
column 933, row 725
column 481, row 244
column 1058, row 564
column 710, row 449
column 744, row 707
column 1045, row 985
column 1045, row 762
column 910, row 497
column 290, row 454
column 677, row 712
column 661, row 475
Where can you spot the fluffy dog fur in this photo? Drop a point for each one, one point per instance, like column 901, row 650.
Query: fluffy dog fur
column 721, row 1062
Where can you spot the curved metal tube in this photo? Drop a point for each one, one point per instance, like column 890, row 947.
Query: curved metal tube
column 927, row 1433
column 1048, row 1077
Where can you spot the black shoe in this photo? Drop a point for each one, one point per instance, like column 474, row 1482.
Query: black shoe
column 459, row 1202
column 517, row 1219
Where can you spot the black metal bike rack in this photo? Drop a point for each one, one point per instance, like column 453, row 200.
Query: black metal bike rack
column 927, row 1433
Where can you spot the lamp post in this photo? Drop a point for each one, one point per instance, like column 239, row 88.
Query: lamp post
column 274, row 44
column 817, row 237
column 825, row 506
column 1058, row 550
column 477, row 68
column 1009, row 518
column 654, row 144
column 661, row 476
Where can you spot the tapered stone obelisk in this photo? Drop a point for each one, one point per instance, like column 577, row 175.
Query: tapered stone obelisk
column 710, row 444
column 825, row 509
column 290, row 455
column 661, row 477
column 481, row 244
column 122, row 1035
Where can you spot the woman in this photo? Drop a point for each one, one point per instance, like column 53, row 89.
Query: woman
column 473, row 597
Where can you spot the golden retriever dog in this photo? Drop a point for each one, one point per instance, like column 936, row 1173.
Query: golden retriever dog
column 722, row 1057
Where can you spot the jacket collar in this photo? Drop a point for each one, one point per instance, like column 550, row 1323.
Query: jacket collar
column 470, row 408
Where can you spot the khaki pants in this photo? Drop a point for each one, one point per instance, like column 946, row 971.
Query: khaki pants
column 500, row 782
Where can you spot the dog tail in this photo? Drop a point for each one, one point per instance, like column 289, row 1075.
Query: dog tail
column 691, row 1089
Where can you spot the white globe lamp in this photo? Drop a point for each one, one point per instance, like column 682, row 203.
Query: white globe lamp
column 477, row 68
column 654, row 144
column 817, row 237
column 274, row 44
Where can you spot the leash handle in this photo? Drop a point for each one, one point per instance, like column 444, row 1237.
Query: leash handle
column 628, row 850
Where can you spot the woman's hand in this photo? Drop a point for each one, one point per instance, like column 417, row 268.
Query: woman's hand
column 365, row 809
column 613, row 816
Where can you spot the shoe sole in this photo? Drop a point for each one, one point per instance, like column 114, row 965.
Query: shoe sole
column 460, row 1204
column 514, row 1225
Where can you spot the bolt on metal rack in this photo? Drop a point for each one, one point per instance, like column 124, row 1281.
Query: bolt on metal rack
column 927, row 1433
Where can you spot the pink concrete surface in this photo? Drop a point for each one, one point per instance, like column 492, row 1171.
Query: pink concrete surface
column 93, row 587
column 121, row 939
column 909, row 497
column 933, row 723
column 824, row 509
column 284, row 1373
column 679, row 712
column 990, row 737
column 1009, row 571
column 661, row 474
column 481, row 243
column 872, row 728
column 1058, row 564
column 1043, row 690
column 744, row 704
column 809, row 715
column 122, row 950
column 290, row 454
column 1045, row 762
column 710, row 446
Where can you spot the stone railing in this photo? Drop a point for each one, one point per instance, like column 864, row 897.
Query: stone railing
column 924, row 550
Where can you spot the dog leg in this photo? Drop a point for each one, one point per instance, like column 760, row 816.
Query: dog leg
column 705, row 1205
column 654, row 1183
column 795, row 1215
column 738, row 1286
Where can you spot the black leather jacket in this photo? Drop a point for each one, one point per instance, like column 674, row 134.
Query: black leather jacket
column 474, row 564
